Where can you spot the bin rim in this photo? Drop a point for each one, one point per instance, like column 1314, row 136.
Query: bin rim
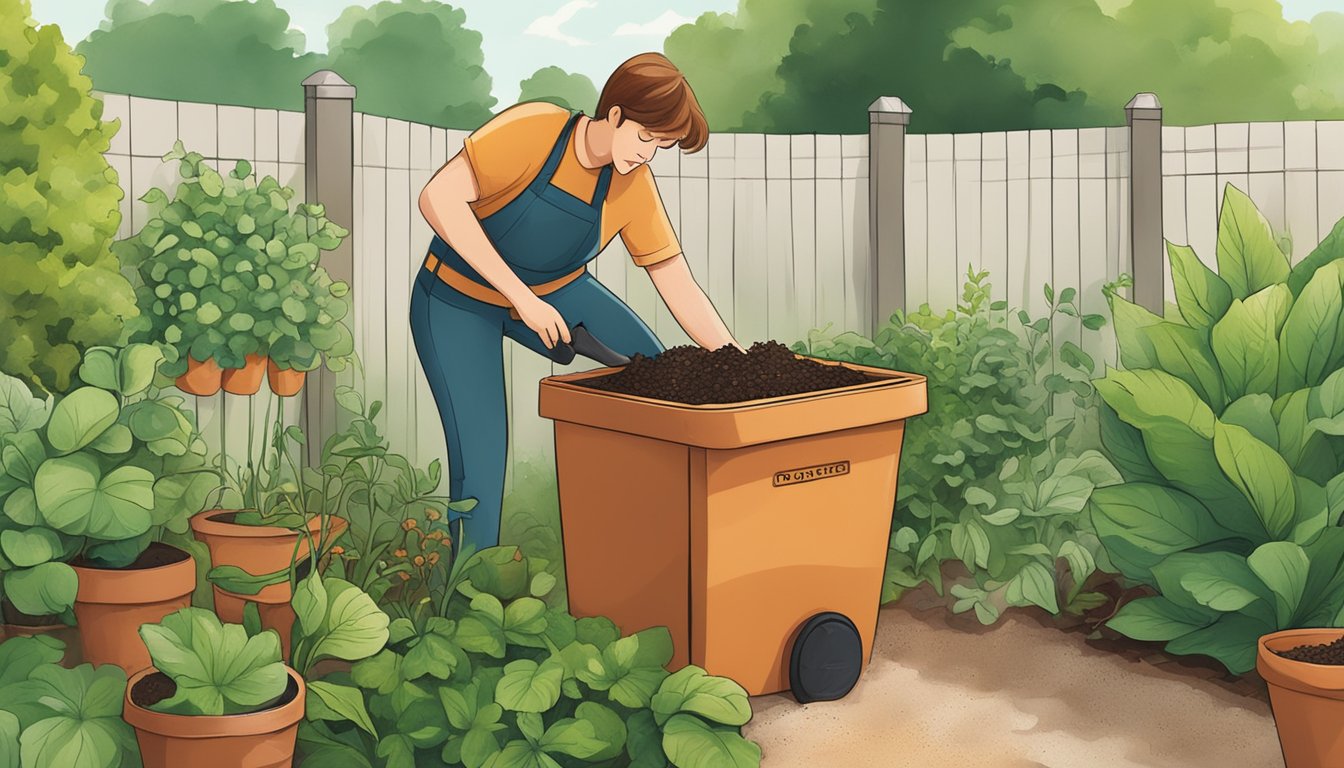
column 889, row 378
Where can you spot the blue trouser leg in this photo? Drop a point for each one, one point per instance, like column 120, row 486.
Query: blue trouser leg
column 608, row 318
column 460, row 345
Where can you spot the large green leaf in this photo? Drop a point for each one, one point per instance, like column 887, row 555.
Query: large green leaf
column 691, row 743
column 1246, row 342
column 353, row 628
column 34, row 546
column 530, row 687
column 9, row 740
column 1312, row 340
column 75, row 498
column 1255, row 414
column 43, row 590
column 1201, row 295
column 1283, row 567
column 1124, row 446
column 1231, row 640
column 342, row 701
column 1141, row 523
column 19, row 410
column 1329, row 250
column 1157, row 618
column 1218, row 581
column 218, row 669
column 20, row 655
column 1136, row 349
column 690, row 689
column 76, row 718
column 1261, row 474
column 1249, row 258
column 1184, row 352
column 80, row 417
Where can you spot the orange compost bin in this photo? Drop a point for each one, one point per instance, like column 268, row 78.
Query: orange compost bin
column 756, row 532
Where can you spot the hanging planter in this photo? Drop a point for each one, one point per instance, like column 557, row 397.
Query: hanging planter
column 203, row 378
column 285, row 382
column 245, row 380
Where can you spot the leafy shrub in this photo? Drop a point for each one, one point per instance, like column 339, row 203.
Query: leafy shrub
column 107, row 469
column 62, row 290
column 217, row 668
column 498, row 679
column 1225, row 426
column 993, row 475
column 53, row 717
column 226, row 270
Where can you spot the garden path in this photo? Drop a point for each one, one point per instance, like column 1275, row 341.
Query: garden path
column 942, row 690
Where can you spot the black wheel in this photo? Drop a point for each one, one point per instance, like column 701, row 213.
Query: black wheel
column 827, row 658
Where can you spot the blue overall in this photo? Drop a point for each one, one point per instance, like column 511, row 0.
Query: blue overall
column 542, row 234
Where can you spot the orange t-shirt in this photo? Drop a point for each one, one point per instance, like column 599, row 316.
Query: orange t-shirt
column 507, row 153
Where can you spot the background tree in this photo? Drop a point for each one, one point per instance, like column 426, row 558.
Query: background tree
column 415, row 60
column 200, row 50
column 570, row 90
column 62, row 290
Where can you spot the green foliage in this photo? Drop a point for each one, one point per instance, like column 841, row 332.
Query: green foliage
column 103, row 472
column 227, row 270
column 217, row 668
column 62, row 290
column 498, row 679
column 386, row 49
column 200, row 50
column 570, row 90
column 53, row 717
column 1226, row 428
column 993, row 475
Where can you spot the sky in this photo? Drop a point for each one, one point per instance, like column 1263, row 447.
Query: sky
column 521, row 36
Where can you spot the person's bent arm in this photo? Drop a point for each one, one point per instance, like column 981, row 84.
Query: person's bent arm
column 688, row 303
column 444, row 202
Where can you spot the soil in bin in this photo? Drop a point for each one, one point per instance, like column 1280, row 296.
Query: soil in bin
column 1326, row 653
column 156, row 555
column 156, row 687
column 697, row 376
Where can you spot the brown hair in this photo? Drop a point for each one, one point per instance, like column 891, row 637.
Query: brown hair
column 650, row 90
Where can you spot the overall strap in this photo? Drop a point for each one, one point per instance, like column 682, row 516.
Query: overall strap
column 557, row 151
column 603, row 182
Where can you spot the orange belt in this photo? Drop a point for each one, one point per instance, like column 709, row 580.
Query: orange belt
column 485, row 293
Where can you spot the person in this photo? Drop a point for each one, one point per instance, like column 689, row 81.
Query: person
column 534, row 195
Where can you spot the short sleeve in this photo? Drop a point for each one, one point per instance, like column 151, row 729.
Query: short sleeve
column 647, row 232
column 506, row 152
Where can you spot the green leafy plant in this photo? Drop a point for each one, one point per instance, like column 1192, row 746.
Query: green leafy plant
column 97, row 474
column 53, row 717
column 226, row 270
column 998, row 473
column 218, row 669
column 1226, row 427
column 498, row 679
column 62, row 291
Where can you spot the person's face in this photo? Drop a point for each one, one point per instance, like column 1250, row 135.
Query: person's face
column 632, row 144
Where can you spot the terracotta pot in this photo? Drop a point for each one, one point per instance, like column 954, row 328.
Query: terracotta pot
column 111, row 604
column 1307, row 699
column 259, row 550
column 201, row 379
column 256, row 740
column 245, row 380
column 285, row 382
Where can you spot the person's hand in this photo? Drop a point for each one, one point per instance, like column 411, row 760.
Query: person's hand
column 544, row 320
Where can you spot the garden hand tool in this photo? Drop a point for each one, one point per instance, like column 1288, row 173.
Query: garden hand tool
column 584, row 343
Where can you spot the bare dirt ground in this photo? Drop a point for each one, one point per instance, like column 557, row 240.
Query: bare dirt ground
column 942, row 690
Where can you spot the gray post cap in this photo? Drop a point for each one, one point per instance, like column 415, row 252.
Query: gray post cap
column 1144, row 106
column 889, row 109
column 325, row 84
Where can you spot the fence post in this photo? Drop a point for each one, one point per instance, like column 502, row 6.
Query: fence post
column 328, row 106
column 1143, row 114
column 888, row 118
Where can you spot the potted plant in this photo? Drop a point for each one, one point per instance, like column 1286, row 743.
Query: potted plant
column 1307, row 697
column 218, row 694
column 227, row 275
column 89, row 492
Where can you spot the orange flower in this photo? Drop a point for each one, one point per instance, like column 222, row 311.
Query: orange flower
column 433, row 558
column 404, row 576
column 338, row 550
column 432, row 514
column 419, row 560
column 399, row 552
column 436, row 535
column 409, row 525
column 518, row 554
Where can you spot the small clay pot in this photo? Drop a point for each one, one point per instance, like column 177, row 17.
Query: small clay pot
column 112, row 603
column 201, row 379
column 285, row 382
column 258, row 550
column 262, row 739
column 1307, row 699
column 245, row 380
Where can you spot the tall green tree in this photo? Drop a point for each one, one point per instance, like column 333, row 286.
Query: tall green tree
column 218, row 51
column 904, row 48
column 61, row 289
column 570, row 90
column 732, row 59
column 416, row 60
